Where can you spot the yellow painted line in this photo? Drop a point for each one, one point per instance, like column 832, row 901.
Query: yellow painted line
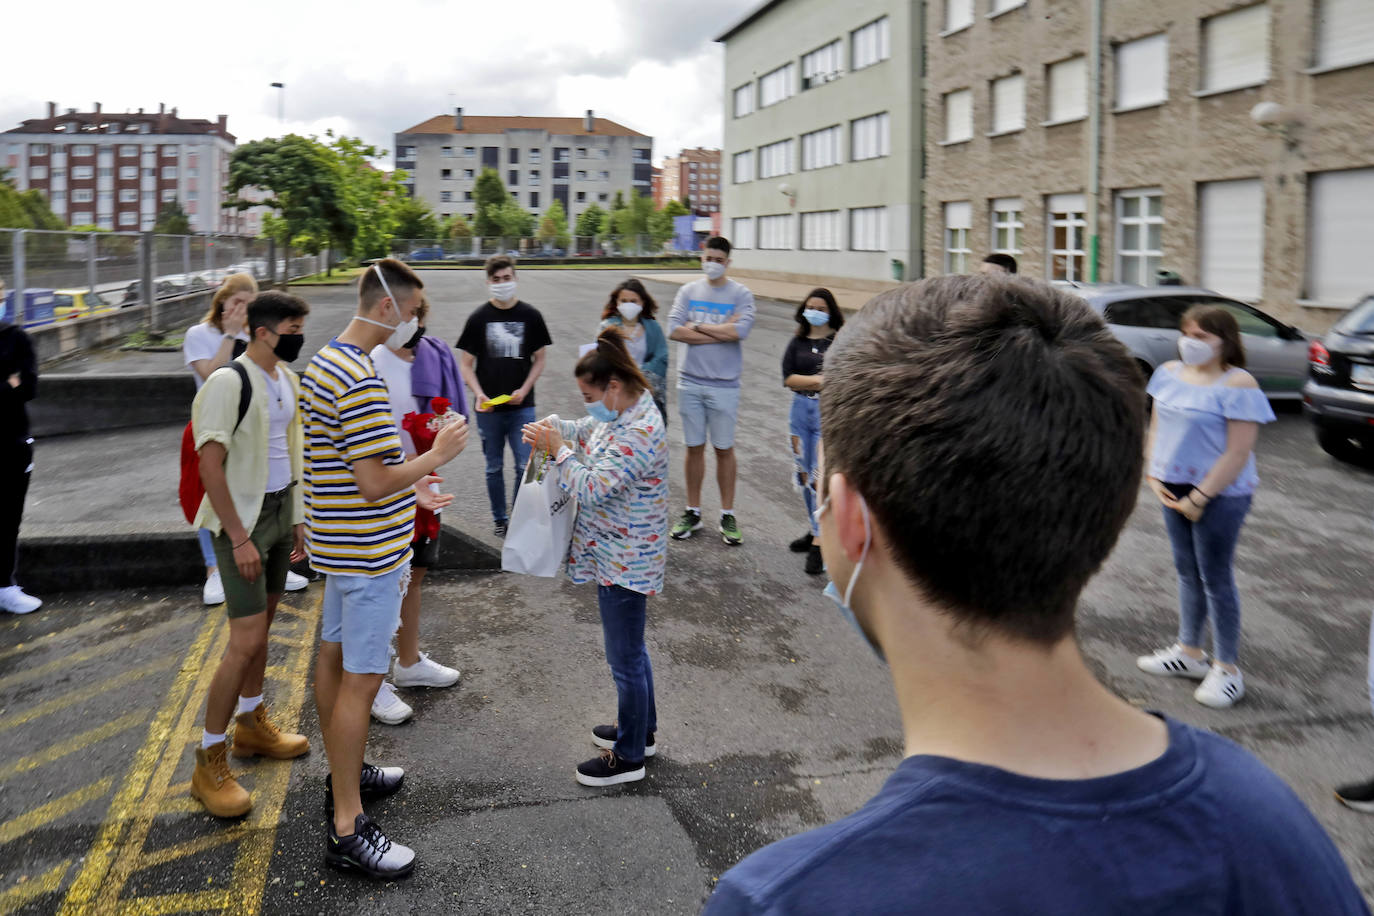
column 73, row 744
column 183, row 805
column 88, row 883
column 73, row 659
column 81, row 696
column 276, row 673
column 175, row 903
column 192, row 847
column 287, row 640
column 80, row 629
column 181, row 788
column 46, row 883
column 59, row 807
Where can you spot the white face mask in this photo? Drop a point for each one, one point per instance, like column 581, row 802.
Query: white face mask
column 629, row 310
column 400, row 333
column 503, row 292
column 1195, row 352
column 714, row 270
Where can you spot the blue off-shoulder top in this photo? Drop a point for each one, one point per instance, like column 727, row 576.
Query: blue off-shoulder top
column 1190, row 434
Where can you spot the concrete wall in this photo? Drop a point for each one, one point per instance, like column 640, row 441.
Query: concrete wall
column 68, row 338
column 73, row 404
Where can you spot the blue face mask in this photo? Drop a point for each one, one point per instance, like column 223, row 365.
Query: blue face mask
column 832, row 591
column 600, row 412
column 816, row 317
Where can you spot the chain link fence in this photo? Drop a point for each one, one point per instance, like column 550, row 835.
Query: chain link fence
column 608, row 246
column 70, row 275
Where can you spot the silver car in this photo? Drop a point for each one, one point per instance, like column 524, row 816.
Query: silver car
column 1146, row 318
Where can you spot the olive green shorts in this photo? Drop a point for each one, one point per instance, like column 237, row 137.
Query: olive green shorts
column 272, row 535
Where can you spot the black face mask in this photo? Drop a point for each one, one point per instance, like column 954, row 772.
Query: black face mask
column 415, row 340
column 289, row 346
column 239, row 347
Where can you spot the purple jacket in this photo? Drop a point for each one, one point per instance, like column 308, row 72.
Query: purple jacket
column 435, row 375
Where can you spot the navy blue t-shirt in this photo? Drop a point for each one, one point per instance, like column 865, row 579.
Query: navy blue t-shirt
column 1204, row 829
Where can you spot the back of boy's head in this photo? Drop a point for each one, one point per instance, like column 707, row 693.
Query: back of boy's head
column 271, row 307
column 995, row 428
column 399, row 278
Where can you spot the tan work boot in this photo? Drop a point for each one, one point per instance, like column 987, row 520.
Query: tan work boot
column 255, row 734
column 215, row 786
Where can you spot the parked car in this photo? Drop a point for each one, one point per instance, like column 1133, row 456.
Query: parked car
column 38, row 305
column 1339, row 395
column 80, row 303
column 427, row 254
column 1146, row 318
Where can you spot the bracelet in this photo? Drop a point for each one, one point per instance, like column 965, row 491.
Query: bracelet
column 245, row 541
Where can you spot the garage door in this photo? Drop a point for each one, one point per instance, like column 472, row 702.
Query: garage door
column 1340, row 226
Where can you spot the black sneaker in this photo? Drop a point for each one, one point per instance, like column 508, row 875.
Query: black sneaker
column 801, row 544
column 608, row 769
column 375, row 782
column 368, row 850
column 1359, row 796
column 500, row 529
column 815, row 565
column 605, row 735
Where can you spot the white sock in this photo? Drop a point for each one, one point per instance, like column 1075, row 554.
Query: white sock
column 210, row 739
column 696, row 509
column 725, row 512
column 248, row 704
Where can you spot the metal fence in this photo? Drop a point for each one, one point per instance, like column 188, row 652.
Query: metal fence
column 609, row 246
column 68, row 275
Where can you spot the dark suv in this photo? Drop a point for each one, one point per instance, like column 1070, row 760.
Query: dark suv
column 1339, row 394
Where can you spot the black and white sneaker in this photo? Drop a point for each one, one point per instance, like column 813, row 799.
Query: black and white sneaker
column 605, row 735
column 376, row 782
column 1359, row 796
column 369, row 851
column 608, row 769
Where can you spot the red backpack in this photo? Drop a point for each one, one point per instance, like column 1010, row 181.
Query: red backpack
column 191, row 491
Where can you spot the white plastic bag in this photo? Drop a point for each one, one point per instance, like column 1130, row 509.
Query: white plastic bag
column 541, row 524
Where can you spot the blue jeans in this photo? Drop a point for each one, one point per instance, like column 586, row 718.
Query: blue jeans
column 804, row 424
column 622, row 625
column 207, row 547
column 1204, row 554
column 497, row 427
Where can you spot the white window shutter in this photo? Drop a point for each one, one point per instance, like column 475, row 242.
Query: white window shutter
column 1345, row 32
column 959, row 115
column 1340, row 225
column 1231, row 236
column 1142, row 72
column 1236, row 48
column 1069, row 89
column 1008, row 104
column 959, row 215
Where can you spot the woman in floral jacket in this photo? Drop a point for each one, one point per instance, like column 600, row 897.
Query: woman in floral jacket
column 615, row 462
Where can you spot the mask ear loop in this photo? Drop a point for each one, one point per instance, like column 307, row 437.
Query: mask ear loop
column 385, row 287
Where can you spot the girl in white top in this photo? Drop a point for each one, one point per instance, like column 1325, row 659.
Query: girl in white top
column 211, row 343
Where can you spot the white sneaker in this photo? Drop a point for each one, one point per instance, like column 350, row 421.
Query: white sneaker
column 14, row 600
column 1220, row 689
column 389, row 708
column 424, row 673
column 1173, row 662
column 213, row 592
column 295, row 583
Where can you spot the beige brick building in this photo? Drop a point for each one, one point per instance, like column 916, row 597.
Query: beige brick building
column 1148, row 144
column 692, row 175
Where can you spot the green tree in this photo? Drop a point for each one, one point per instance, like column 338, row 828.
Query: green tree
column 589, row 221
column 488, row 192
column 618, row 202
column 456, row 227
column 676, row 208
column 553, row 227
column 510, row 220
column 307, row 189
column 414, row 219
column 172, row 219
column 367, row 193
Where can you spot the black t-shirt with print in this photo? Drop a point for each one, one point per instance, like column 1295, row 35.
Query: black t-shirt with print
column 504, row 342
column 804, row 356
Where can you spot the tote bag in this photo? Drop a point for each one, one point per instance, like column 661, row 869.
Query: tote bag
column 541, row 524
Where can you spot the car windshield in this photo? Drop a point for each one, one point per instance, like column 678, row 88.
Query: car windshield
column 96, row 300
column 1358, row 321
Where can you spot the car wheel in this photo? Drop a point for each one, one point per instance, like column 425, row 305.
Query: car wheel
column 1346, row 448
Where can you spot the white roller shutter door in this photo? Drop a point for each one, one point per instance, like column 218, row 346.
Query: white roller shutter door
column 1340, row 227
column 1231, row 236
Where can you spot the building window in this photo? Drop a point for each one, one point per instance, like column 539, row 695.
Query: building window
column 775, row 159
column 958, row 14
column 469, row 151
column 83, row 149
column 147, row 173
column 821, row 148
column 168, row 195
column 171, row 149
column 581, row 176
column 534, row 156
column 868, row 229
column 128, row 218
column 581, row 152
column 38, row 149
column 581, row 197
column 742, row 232
column 1142, row 72
column 445, row 196
column 534, row 199
column 869, row 137
column 1231, row 236
column 105, row 173
column 869, row 45
column 822, row 65
column 1001, row 6
column 1007, row 225
column 81, row 218
column 820, row 231
column 959, row 116
column 104, row 221
column 1068, row 90
column 1344, row 33
column 169, row 171
column 777, row 85
column 1066, row 222
column 82, row 172
column 446, row 151
column 40, row 172
column 1139, row 236
column 743, row 165
column 775, row 232
column 467, row 195
column 468, row 173
column 149, row 196
column 82, row 196
column 532, row 177
column 603, row 176
column 1008, row 104
column 128, row 196
column 958, row 224
column 603, row 197
column 128, row 151
column 445, row 174
column 192, row 196
column 513, row 155
column 1235, row 49
column 1340, row 225
column 193, row 173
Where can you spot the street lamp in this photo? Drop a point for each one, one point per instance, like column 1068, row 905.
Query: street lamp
column 281, row 104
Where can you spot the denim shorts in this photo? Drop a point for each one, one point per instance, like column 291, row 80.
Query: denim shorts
column 706, row 409
column 363, row 612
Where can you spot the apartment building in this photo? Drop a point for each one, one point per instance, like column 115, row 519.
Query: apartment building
column 1228, row 142
column 822, row 142
column 693, row 175
column 115, row 170
column 576, row 161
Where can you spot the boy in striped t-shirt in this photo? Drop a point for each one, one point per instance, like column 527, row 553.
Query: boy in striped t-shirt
column 360, row 497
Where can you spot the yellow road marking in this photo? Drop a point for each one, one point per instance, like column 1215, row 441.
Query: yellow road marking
column 191, row 847
column 58, row 807
column 72, row 659
column 176, row 903
column 80, row 696
column 80, row 629
column 73, row 744
column 88, row 883
column 21, row 894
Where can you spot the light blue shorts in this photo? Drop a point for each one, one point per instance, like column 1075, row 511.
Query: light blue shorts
column 363, row 612
column 704, row 409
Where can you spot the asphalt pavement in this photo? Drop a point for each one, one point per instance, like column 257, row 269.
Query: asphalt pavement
column 774, row 717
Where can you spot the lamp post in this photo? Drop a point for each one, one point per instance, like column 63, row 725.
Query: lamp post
column 281, row 104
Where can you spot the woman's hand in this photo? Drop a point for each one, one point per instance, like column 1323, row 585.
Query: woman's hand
column 1189, row 509
column 544, row 436
column 1165, row 498
column 235, row 317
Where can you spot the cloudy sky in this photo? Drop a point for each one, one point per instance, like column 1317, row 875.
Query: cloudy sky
column 369, row 69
